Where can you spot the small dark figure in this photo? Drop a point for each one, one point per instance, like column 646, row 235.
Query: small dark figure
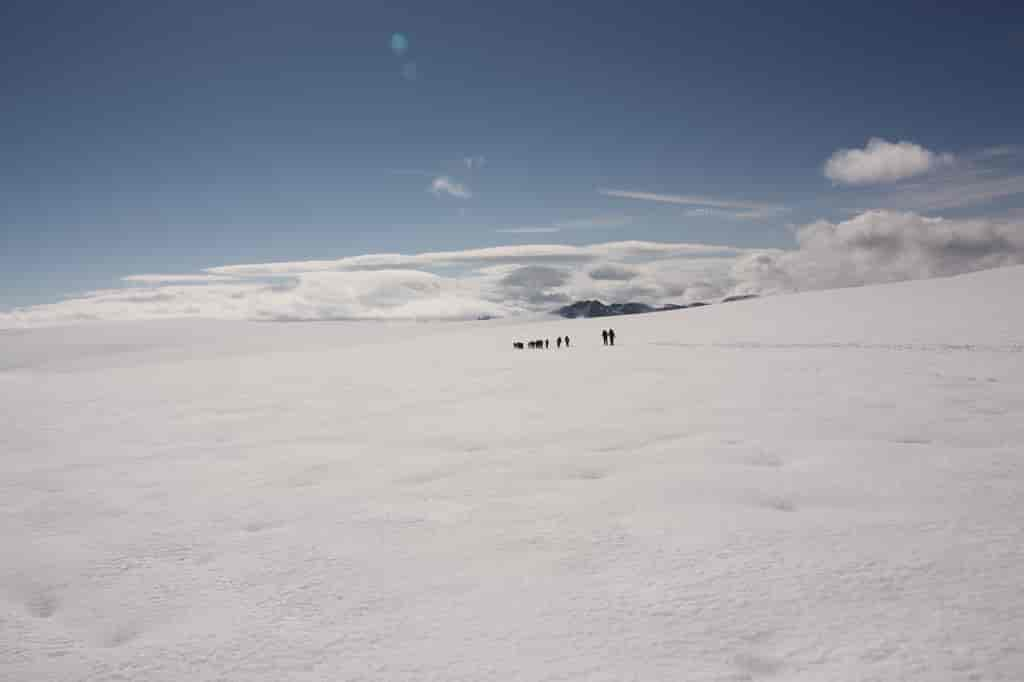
column 566, row 341
column 604, row 336
column 611, row 337
column 558, row 342
column 547, row 342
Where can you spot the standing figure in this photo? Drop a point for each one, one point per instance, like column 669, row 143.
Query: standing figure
column 547, row 342
column 604, row 336
column 558, row 342
column 611, row 337
column 567, row 341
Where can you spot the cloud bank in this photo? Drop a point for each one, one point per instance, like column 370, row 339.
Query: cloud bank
column 873, row 247
column 885, row 246
column 882, row 161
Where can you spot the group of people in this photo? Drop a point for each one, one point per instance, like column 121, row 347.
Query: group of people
column 541, row 343
column 607, row 335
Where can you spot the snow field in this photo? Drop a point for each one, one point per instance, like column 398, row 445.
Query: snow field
column 823, row 486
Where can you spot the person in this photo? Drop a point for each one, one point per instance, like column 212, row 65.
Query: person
column 547, row 342
column 566, row 340
column 611, row 337
column 558, row 342
column 604, row 336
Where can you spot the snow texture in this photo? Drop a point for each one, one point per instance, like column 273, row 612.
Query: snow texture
column 822, row 486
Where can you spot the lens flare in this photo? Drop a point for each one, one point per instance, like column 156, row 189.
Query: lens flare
column 399, row 43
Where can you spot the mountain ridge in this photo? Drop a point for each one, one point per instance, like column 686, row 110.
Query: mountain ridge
column 595, row 308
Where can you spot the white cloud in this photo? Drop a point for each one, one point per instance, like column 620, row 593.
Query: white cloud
column 611, row 271
column 882, row 161
column 880, row 246
column 156, row 278
column 733, row 208
column 526, row 253
column 876, row 246
column 595, row 223
column 445, row 185
column 978, row 177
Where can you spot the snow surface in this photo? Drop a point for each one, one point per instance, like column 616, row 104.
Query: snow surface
column 823, row 486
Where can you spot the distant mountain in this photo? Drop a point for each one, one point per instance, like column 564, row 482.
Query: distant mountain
column 740, row 297
column 598, row 309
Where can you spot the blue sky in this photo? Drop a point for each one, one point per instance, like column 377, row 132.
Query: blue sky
column 175, row 137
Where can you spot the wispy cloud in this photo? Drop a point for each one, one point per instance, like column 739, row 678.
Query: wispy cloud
column 595, row 223
column 881, row 161
column 959, row 194
column 474, row 162
column 998, row 152
column 445, row 185
column 733, row 208
column 179, row 279
column 978, row 178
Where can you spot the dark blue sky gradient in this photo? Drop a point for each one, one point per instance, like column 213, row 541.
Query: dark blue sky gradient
column 167, row 137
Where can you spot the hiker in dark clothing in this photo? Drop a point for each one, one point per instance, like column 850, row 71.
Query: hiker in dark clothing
column 604, row 336
column 558, row 342
column 567, row 341
column 547, row 342
column 611, row 337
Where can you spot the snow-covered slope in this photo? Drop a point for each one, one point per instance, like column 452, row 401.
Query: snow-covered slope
column 824, row 486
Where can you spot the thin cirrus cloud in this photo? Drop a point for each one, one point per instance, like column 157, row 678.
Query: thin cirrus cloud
column 732, row 208
column 957, row 194
column 180, row 279
column 974, row 179
column 872, row 247
column 444, row 185
column 881, row 161
column 595, row 223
